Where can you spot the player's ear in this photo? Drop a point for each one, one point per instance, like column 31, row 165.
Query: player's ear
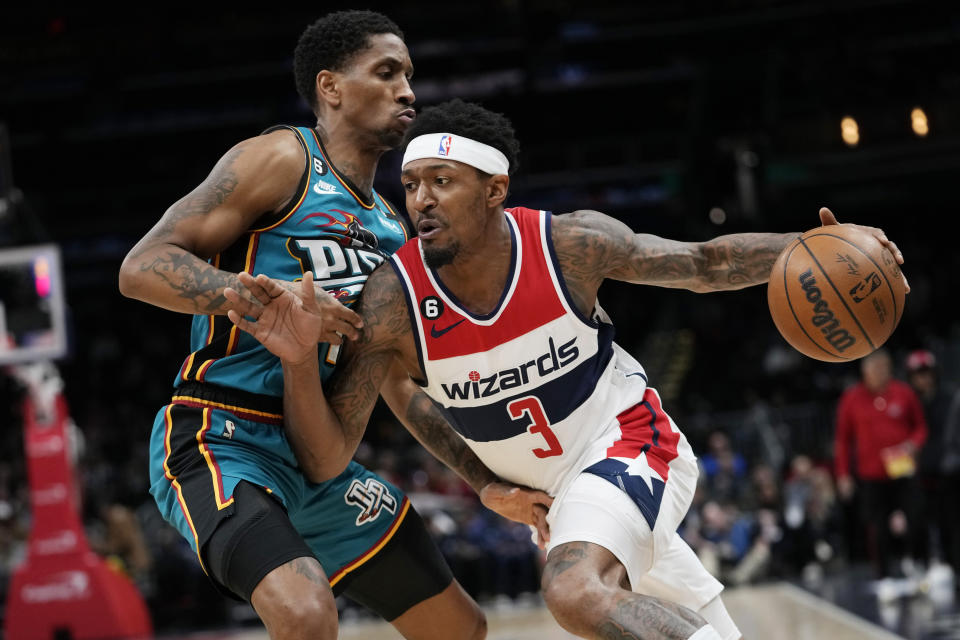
column 328, row 89
column 497, row 188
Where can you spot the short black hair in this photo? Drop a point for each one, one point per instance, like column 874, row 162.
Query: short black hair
column 470, row 120
column 330, row 43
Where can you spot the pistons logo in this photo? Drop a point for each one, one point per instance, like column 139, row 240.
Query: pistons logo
column 371, row 497
column 344, row 223
column 445, row 143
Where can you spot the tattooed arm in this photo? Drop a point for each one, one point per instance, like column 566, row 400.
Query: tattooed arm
column 592, row 246
column 325, row 425
column 324, row 435
column 168, row 266
column 425, row 422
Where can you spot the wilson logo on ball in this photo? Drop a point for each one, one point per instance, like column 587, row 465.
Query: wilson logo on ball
column 823, row 317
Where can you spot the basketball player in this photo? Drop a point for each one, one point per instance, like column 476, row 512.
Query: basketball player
column 494, row 311
column 295, row 200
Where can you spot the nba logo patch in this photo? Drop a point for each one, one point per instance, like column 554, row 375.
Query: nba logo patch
column 445, row 143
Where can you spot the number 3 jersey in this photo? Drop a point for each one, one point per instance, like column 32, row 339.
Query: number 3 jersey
column 538, row 391
column 328, row 228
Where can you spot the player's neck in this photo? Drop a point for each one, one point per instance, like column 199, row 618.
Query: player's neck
column 478, row 274
column 351, row 158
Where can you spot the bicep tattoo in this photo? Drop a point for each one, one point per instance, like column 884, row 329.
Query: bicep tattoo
column 210, row 194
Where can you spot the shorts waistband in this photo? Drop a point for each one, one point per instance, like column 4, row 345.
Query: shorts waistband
column 246, row 405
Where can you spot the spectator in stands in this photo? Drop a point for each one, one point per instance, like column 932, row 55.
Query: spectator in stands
column 881, row 420
column 724, row 468
column 811, row 521
column 939, row 460
column 722, row 538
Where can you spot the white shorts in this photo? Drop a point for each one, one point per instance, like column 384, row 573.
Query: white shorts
column 658, row 562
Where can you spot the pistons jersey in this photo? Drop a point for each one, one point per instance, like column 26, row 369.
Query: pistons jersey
column 539, row 391
column 328, row 228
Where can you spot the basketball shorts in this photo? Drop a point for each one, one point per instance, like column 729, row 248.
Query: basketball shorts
column 199, row 454
column 635, row 516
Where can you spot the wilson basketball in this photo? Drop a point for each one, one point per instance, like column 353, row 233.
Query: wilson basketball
column 836, row 294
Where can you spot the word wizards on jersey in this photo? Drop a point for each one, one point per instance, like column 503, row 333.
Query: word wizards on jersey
column 538, row 391
column 327, row 228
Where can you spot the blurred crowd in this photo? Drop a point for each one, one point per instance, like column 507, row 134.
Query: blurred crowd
column 774, row 501
column 883, row 494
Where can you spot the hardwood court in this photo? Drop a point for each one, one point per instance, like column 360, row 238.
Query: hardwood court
column 771, row 612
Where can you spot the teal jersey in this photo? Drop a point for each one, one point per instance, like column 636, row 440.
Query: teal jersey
column 328, row 228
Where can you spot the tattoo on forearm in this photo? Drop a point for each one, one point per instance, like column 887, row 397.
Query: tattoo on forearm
column 354, row 391
column 743, row 259
column 591, row 246
column 193, row 279
column 441, row 440
column 188, row 275
column 364, row 364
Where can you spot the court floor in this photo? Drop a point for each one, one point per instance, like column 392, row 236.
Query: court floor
column 771, row 612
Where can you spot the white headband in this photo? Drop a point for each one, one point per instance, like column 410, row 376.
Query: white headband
column 459, row 148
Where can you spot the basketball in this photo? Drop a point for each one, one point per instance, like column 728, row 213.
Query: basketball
column 836, row 294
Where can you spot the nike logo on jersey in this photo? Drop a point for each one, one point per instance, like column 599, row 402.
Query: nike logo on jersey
column 437, row 334
column 322, row 187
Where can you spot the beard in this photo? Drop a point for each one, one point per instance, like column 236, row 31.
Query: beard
column 390, row 138
column 436, row 257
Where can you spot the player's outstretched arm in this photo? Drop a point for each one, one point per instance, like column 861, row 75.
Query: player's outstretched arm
column 291, row 326
column 168, row 267
column 425, row 422
column 592, row 246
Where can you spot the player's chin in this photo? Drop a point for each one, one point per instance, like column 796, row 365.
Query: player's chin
column 393, row 137
column 437, row 256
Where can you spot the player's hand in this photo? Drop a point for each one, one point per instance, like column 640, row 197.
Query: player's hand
column 340, row 322
column 827, row 218
column 519, row 504
column 289, row 326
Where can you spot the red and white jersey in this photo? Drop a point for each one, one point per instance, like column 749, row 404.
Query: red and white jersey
column 538, row 391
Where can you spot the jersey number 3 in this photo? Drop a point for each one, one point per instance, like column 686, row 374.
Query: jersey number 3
column 531, row 407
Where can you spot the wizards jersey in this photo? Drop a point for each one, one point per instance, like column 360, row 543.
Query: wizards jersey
column 328, row 228
column 536, row 389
